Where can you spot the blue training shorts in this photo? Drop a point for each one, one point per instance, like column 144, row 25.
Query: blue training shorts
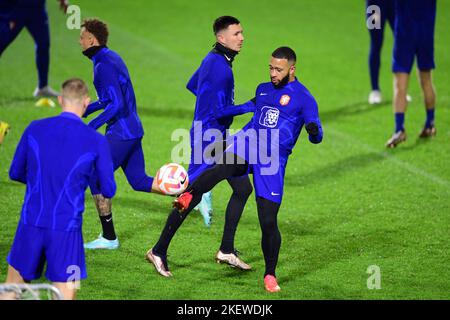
column 62, row 250
column 418, row 44
column 268, row 186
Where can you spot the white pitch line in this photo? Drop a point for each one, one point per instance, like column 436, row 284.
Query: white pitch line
column 405, row 165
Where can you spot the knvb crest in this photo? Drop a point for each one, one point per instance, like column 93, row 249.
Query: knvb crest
column 269, row 117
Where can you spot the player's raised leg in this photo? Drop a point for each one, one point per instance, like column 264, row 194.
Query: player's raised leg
column 184, row 204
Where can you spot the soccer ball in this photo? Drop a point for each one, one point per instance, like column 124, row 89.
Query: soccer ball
column 172, row 179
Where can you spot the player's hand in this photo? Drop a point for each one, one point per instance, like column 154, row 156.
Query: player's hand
column 12, row 25
column 63, row 5
column 312, row 128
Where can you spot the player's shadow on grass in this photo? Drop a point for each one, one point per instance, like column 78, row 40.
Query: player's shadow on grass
column 351, row 110
column 16, row 100
column 144, row 205
column 169, row 113
column 335, row 170
column 332, row 248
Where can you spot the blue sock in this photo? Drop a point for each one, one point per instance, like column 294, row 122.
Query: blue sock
column 399, row 121
column 430, row 118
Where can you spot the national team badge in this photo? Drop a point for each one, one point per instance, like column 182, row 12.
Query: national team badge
column 285, row 100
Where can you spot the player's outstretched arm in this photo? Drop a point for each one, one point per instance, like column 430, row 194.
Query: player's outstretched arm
column 232, row 111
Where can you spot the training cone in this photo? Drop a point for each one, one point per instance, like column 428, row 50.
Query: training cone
column 45, row 102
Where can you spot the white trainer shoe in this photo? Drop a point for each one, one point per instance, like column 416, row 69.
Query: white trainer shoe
column 375, row 97
column 45, row 92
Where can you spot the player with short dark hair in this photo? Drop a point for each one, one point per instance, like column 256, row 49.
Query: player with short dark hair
column 213, row 86
column 31, row 14
column 55, row 158
column 124, row 130
column 413, row 39
column 283, row 107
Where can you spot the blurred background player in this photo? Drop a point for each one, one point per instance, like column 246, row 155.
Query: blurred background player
column 31, row 14
column 213, row 86
column 414, row 38
column 57, row 172
column 386, row 13
column 283, row 107
column 124, row 130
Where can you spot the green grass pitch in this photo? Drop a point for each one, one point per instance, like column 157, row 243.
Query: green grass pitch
column 349, row 203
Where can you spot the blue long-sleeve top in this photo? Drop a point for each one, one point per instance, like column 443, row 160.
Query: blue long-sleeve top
column 116, row 96
column 213, row 85
column 280, row 115
column 56, row 158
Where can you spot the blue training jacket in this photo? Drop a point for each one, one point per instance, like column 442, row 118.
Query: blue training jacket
column 116, row 96
column 56, row 158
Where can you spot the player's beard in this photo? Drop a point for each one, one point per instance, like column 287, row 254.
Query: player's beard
column 283, row 82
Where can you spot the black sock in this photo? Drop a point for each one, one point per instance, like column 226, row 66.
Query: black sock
column 174, row 221
column 271, row 237
column 242, row 188
column 108, row 227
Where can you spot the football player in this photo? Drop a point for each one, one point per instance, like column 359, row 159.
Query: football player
column 283, row 107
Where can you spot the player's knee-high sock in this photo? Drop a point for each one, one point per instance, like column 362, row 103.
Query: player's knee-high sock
column 242, row 188
column 271, row 237
column 429, row 123
column 399, row 121
column 104, row 208
column 174, row 221
column 108, row 227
